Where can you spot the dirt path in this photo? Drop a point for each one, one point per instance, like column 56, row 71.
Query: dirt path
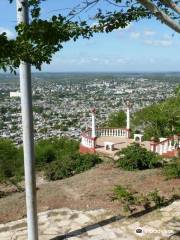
column 88, row 190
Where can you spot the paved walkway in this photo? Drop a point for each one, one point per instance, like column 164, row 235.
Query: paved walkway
column 69, row 224
column 119, row 142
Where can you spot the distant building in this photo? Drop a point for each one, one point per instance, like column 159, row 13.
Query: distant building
column 15, row 94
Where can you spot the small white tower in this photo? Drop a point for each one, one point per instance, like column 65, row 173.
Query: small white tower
column 93, row 111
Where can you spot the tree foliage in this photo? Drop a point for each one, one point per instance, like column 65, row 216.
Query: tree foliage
column 70, row 165
column 116, row 120
column 47, row 151
column 38, row 41
column 135, row 157
column 11, row 163
column 161, row 119
column 58, row 158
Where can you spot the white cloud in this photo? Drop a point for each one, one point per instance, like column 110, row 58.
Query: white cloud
column 149, row 33
column 168, row 36
column 9, row 33
column 121, row 60
column 98, row 61
column 135, row 35
column 159, row 43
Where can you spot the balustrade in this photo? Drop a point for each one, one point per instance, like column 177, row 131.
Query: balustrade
column 112, row 132
column 89, row 142
column 165, row 146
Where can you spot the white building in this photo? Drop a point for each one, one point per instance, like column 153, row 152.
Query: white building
column 15, row 94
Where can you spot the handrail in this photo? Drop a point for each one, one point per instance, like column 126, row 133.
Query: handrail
column 166, row 140
column 107, row 132
column 166, row 145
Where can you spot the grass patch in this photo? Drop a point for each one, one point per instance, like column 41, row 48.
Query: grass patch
column 172, row 170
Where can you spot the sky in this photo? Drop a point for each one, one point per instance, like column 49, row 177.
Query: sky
column 145, row 46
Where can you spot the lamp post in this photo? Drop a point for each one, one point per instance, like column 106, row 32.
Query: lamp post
column 28, row 136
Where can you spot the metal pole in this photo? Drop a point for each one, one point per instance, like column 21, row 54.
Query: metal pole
column 28, row 136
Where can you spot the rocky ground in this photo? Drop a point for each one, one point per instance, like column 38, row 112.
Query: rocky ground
column 85, row 210
column 98, row 224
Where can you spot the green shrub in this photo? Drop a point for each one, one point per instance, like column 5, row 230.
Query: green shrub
column 59, row 169
column 130, row 200
column 53, row 149
column 172, row 170
column 70, row 165
column 126, row 197
column 84, row 162
column 58, row 158
column 136, row 157
column 44, row 153
column 11, row 163
column 156, row 198
column 123, row 194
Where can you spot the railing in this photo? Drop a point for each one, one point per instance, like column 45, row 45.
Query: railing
column 166, row 146
column 88, row 141
column 113, row 132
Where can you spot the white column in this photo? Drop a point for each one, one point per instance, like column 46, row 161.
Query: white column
column 170, row 145
column 128, row 118
column 161, row 149
column 93, row 124
column 166, row 147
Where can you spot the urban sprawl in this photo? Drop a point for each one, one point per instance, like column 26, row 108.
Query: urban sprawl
column 62, row 102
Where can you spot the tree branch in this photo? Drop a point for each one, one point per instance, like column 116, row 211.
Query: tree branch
column 163, row 17
column 171, row 5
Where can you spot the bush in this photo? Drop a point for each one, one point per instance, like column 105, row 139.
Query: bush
column 59, row 169
column 126, row 197
column 84, row 162
column 44, row 153
column 123, row 194
column 70, row 165
column 136, row 157
column 53, row 149
column 172, row 170
column 156, row 198
column 11, row 163
column 58, row 158
column 131, row 199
